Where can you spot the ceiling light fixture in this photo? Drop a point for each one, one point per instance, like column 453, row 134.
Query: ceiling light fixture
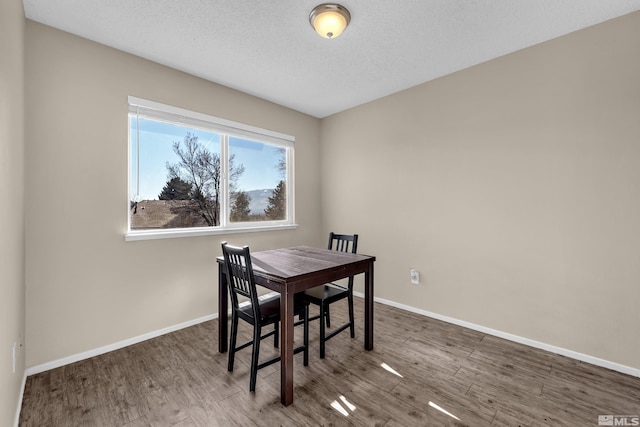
column 329, row 19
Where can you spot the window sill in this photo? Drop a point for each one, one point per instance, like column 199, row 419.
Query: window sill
column 201, row 231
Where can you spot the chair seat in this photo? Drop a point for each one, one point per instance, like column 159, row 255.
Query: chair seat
column 327, row 293
column 270, row 310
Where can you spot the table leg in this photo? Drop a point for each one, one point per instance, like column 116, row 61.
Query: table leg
column 223, row 309
column 286, row 347
column 368, row 308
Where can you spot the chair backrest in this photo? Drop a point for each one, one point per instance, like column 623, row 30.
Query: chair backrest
column 240, row 276
column 344, row 243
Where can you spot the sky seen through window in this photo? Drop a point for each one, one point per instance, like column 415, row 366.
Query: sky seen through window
column 260, row 160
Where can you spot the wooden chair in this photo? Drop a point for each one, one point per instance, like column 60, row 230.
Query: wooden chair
column 325, row 295
column 259, row 312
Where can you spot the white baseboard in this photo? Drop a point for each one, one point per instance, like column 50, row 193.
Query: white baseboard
column 115, row 346
column 16, row 422
column 531, row 343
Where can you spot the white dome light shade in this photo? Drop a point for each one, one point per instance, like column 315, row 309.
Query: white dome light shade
column 329, row 20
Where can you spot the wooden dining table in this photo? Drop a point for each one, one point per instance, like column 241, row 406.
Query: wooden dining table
column 289, row 271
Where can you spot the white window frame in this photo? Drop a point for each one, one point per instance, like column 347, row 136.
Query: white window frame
column 167, row 113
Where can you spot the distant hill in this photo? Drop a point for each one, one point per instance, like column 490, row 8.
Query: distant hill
column 259, row 200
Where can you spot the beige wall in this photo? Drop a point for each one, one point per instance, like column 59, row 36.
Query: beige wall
column 12, row 264
column 86, row 286
column 512, row 187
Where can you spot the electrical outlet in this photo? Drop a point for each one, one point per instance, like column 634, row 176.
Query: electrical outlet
column 415, row 277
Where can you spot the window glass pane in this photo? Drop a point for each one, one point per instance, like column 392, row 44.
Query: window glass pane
column 175, row 175
column 194, row 174
column 257, row 188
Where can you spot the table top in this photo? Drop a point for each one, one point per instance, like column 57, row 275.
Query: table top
column 299, row 263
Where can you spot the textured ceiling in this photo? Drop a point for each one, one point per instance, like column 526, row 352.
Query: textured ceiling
column 268, row 49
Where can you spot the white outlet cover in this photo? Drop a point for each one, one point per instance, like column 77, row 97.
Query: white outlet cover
column 415, row 277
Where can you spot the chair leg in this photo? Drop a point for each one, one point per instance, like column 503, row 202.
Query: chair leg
column 306, row 336
column 322, row 331
column 328, row 316
column 232, row 341
column 352, row 324
column 255, row 354
column 276, row 335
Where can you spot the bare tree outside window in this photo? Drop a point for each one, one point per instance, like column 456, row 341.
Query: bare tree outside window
column 201, row 168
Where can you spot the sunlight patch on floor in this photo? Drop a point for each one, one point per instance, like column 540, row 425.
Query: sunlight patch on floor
column 444, row 411
column 338, row 407
column 390, row 369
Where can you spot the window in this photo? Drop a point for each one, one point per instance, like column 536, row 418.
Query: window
column 193, row 174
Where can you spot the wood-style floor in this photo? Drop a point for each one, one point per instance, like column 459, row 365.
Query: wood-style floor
column 475, row 379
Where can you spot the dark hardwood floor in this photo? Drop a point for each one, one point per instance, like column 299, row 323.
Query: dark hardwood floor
column 422, row 372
